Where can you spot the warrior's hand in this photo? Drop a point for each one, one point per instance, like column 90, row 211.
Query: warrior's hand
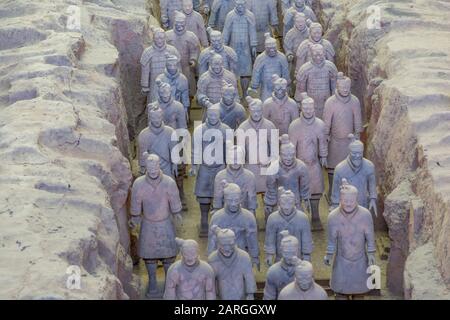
column 268, row 210
column 165, row 22
column 323, row 162
column 290, row 57
column 175, row 171
column 142, row 170
column 255, row 262
column 192, row 63
column 250, row 296
column 327, row 259
column 145, row 90
column 252, row 92
column 269, row 259
column 193, row 170
column 307, row 205
column 371, row 258
column 254, row 53
column 373, row 206
column 178, row 219
column 134, row 222
column 206, row 9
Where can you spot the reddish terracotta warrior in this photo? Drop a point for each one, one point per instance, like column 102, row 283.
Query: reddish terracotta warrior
column 190, row 278
column 265, row 12
column 308, row 136
column 351, row 240
column 342, row 116
column 157, row 230
column 279, row 108
column 317, row 78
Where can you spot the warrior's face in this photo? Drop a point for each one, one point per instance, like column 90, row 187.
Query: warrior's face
column 304, row 278
column 159, row 39
column 287, row 204
column 213, row 116
column 229, row 97
column 226, row 245
column 308, row 110
column 217, row 65
column 172, row 67
column 287, row 156
column 316, row 33
column 156, row 119
column 349, row 201
column 188, row 7
column 299, row 3
column 180, row 26
column 153, row 169
column 233, row 202
column 256, row 112
column 280, row 91
column 300, row 22
column 289, row 253
column 165, row 94
column 217, row 42
column 356, row 158
column 271, row 49
column 240, row 7
column 318, row 55
column 343, row 87
column 190, row 255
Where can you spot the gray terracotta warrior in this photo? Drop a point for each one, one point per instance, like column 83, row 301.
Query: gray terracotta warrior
column 303, row 287
column 211, row 83
column 238, row 219
column 288, row 219
column 342, row 116
column 303, row 52
column 232, row 113
column 298, row 6
column 177, row 80
column 236, row 173
column 281, row 273
column 174, row 113
column 317, row 78
column 239, row 33
column 280, row 109
column 195, row 23
column 270, row 62
column 292, row 175
column 265, row 12
column 307, row 133
column 206, row 169
column 359, row 172
column 157, row 139
column 157, row 231
column 217, row 47
column 219, row 12
column 168, row 8
column 188, row 46
column 351, row 240
column 253, row 159
column 190, row 278
column 153, row 62
column 286, row 4
column 232, row 267
column 293, row 39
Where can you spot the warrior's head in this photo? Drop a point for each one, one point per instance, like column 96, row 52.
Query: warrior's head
column 229, row 94
column 188, row 7
column 279, row 86
column 304, row 275
column 232, row 197
column 212, row 114
column 308, row 111
column 152, row 165
column 348, row 197
column 356, row 148
column 287, row 151
column 226, row 240
column 159, row 37
column 300, row 21
column 179, row 24
column 172, row 63
column 155, row 116
column 189, row 251
column 270, row 45
column 316, row 31
column 216, row 64
column 255, row 108
column 289, row 246
column 286, row 200
column 164, row 91
column 299, row 3
column 216, row 39
column 343, row 85
column 241, row 6
column 235, row 156
column 317, row 53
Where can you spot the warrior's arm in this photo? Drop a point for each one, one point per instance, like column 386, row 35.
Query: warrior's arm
column 323, row 144
column 372, row 184
column 270, row 289
column 171, row 285
column 357, row 119
column 307, row 241
column 218, row 193
column 335, row 191
column 136, row 201
column 252, row 239
column 304, row 182
column 270, row 197
column 252, row 199
column 270, row 242
column 249, row 278
column 210, row 286
column 369, row 235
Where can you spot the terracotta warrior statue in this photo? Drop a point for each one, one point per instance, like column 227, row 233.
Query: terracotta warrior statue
column 303, row 52
column 228, row 54
column 257, row 123
column 265, row 12
column 239, row 33
column 157, row 229
column 280, row 109
column 168, row 8
column 238, row 219
column 293, row 39
column 232, row 113
column 177, row 80
column 307, row 134
column 174, row 113
column 342, row 116
column 270, row 62
column 281, row 273
column 236, row 173
column 303, row 287
column 298, row 6
column 291, row 220
column 219, row 12
column 157, row 139
column 211, row 83
column 286, row 4
column 195, row 23
column 358, row 171
column 351, row 240
column 232, row 267
column 190, row 278
column 292, row 175
column 206, row 170
column 188, row 46
column 317, row 78
column 153, row 62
